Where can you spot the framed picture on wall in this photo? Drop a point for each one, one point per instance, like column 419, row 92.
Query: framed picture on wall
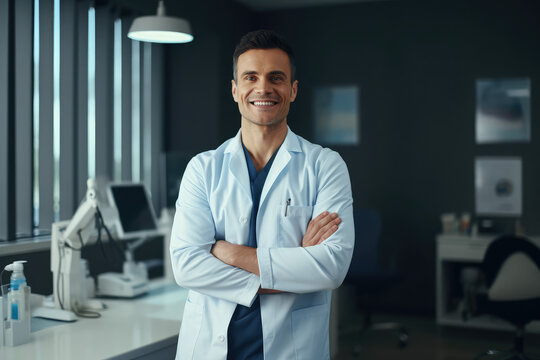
column 337, row 116
column 503, row 110
column 498, row 186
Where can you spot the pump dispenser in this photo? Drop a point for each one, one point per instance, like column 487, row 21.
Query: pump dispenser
column 17, row 278
column 16, row 291
column 18, row 311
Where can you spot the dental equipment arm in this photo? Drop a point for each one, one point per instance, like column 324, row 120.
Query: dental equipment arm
column 69, row 272
column 83, row 216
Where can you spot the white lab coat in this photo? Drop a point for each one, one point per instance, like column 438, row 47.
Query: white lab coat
column 215, row 203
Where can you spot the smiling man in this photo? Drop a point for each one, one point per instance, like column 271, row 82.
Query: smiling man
column 263, row 229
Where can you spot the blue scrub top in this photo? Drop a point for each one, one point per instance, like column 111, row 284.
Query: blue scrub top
column 245, row 338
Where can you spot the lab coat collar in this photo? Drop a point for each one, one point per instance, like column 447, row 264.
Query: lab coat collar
column 238, row 165
column 291, row 143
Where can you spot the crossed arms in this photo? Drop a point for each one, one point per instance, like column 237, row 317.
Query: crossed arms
column 204, row 265
column 245, row 257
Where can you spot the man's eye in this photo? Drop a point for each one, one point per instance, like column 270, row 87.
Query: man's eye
column 250, row 78
column 276, row 78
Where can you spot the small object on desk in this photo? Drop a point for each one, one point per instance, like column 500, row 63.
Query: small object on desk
column 486, row 226
column 17, row 325
column 448, row 223
column 133, row 281
column 465, row 223
column 54, row 313
column 120, row 285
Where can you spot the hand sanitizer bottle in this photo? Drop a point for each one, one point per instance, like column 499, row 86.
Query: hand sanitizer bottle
column 18, row 312
column 16, row 292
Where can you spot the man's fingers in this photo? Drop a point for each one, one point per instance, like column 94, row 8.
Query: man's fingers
column 327, row 229
column 328, row 233
column 321, row 221
column 321, row 215
column 322, row 227
column 335, row 221
column 315, row 224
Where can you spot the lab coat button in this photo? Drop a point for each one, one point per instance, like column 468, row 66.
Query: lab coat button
column 221, row 338
column 243, row 219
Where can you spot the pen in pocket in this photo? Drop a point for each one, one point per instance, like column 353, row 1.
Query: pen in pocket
column 287, row 205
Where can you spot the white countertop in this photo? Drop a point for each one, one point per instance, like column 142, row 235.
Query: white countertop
column 22, row 246
column 125, row 326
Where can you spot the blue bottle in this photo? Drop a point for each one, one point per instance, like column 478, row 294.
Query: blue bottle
column 16, row 297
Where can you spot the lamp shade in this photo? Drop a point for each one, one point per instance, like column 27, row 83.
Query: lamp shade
column 160, row 28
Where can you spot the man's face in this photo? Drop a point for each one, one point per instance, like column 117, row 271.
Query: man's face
column 263, row 90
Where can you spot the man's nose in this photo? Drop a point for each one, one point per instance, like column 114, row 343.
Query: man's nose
column 263, row 86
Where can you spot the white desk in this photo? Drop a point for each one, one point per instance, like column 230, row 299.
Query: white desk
column 126, row 329
column 453, row 251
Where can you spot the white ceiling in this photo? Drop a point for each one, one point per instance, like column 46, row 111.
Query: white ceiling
column 267, row 5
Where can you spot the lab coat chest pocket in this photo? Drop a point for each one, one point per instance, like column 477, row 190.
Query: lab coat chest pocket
column 293, row 225
column 310, row 332
column 189, row 329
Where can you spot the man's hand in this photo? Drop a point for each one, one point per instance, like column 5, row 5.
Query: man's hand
column 228, row 253
column 241, row 256
column 320, row 228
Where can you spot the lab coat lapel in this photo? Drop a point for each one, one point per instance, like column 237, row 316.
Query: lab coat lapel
column 290, row 144
column 237, row 164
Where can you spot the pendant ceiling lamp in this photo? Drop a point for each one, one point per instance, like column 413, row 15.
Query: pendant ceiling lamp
column 160, row 28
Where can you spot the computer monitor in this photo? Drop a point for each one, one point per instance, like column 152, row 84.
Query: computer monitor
column 136, row 216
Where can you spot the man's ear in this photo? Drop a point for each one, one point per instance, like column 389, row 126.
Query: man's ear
column 233, row 90
column 294, row 90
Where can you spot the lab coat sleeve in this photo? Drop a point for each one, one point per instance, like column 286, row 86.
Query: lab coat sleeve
column 192, row 237
column 323, row 266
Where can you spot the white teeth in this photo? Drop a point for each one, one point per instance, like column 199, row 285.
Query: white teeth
column 263, row 103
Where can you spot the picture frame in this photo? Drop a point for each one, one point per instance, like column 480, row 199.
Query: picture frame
column 498, row 186
column 337, row 115
column 503, row 110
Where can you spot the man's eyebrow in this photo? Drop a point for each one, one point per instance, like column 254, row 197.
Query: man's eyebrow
column 249, row 73
column 275, row 72
column 278, row 72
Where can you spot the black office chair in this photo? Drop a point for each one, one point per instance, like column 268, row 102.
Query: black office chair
column 511, row 267
column 367, row 276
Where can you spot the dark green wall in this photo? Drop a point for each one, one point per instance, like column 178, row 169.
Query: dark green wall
column 199, row 101
column 416, row 63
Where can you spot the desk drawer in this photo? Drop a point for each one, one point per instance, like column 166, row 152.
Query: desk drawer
column 461, row 251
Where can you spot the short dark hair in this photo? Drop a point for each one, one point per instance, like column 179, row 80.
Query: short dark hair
column 263, row 39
